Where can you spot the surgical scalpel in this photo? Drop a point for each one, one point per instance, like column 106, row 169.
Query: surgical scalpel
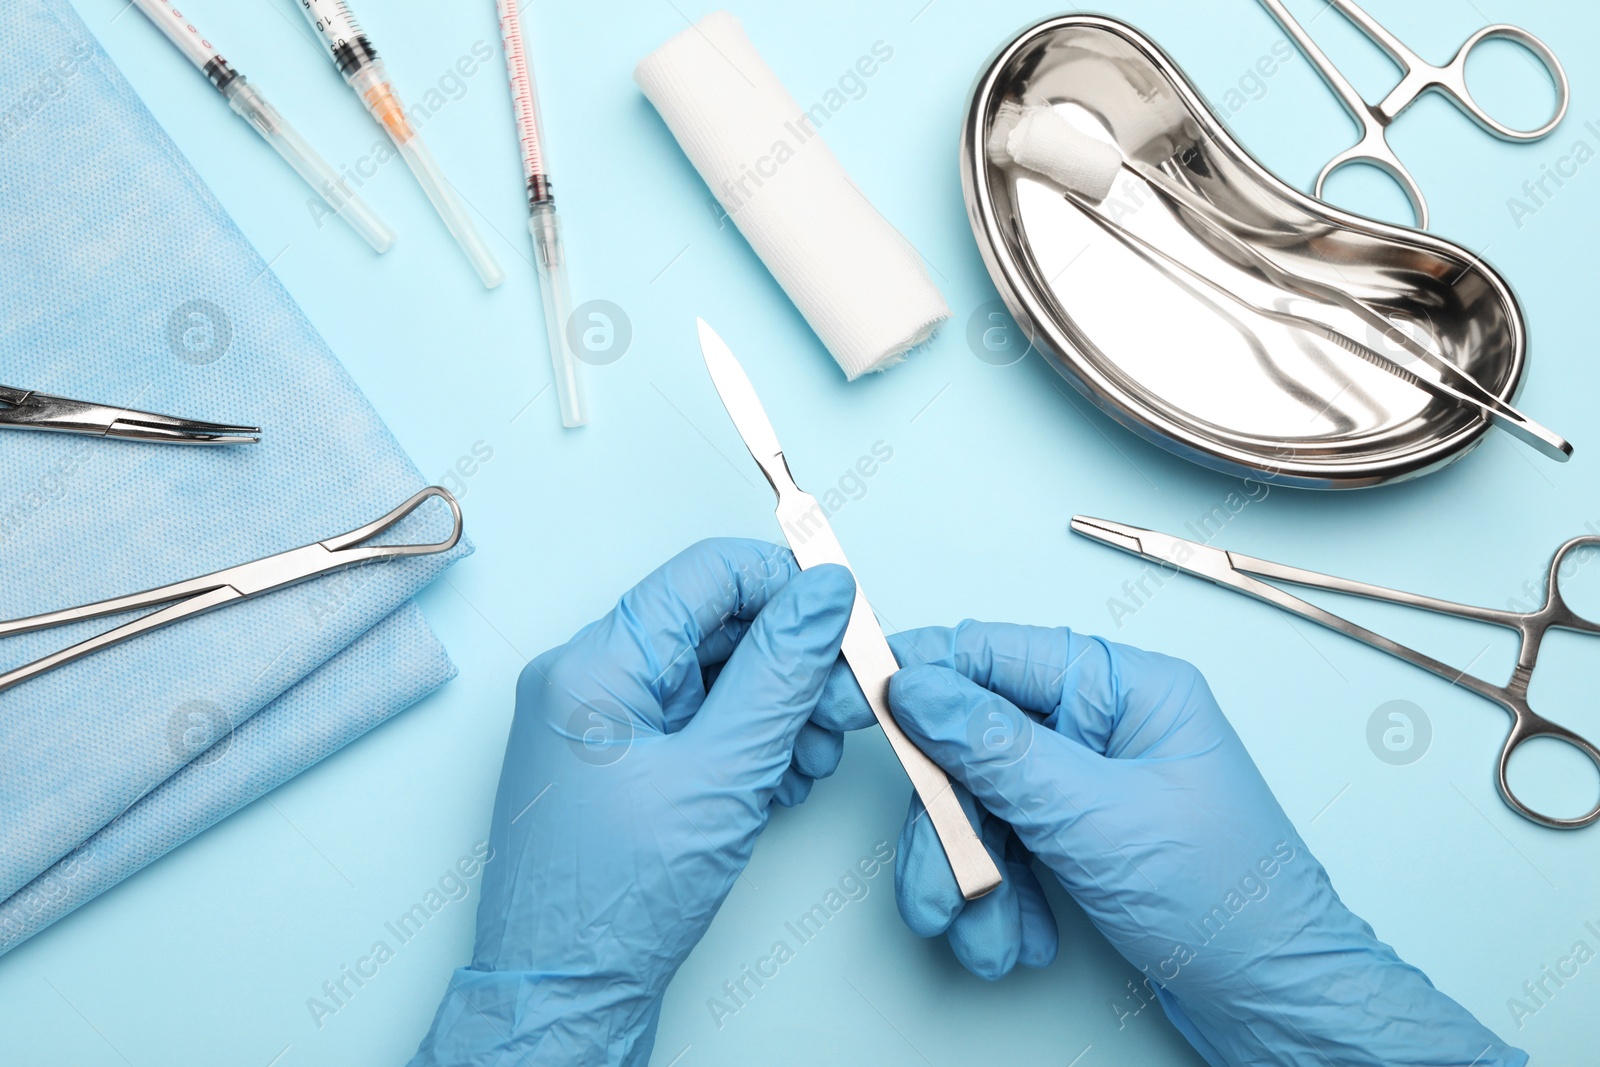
column 1244, row 574
column 23, row 409
column 865, row 649
column 199, row 595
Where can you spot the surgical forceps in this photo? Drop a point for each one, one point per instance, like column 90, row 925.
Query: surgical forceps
column 1453, row 383
column 1244, row 574
column 1419, row 78
column 24, row 409
column 212, row 591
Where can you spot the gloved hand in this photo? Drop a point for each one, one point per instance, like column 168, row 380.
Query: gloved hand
column 630, row 801
column 1126, row 780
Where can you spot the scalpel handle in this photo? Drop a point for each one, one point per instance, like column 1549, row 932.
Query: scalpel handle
column 872, row 662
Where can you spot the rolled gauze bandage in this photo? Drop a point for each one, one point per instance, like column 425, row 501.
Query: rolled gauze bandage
column 860, row 285
column 1040, row 140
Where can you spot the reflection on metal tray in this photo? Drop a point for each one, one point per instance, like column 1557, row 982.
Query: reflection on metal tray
column 1233, row 391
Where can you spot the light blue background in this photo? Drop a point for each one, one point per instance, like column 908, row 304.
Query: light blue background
column 209, row 957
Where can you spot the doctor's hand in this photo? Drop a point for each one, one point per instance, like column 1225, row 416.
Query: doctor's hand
column 644, row 759
column 1118, row 771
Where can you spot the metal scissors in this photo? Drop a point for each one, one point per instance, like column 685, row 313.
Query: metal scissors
column 199, row 595
column 1244, row 574
column 1419, row 78
column 24, row 409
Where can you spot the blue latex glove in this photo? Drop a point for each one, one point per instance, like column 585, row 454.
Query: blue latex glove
column 1126, row 780
column 630, row 801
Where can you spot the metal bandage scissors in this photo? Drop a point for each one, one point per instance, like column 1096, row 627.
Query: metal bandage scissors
column 212, row 591
column 23, row 409
column 1243, row 574
column 1420, row 77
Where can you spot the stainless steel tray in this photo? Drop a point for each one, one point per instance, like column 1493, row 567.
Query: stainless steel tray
column 1237, row 393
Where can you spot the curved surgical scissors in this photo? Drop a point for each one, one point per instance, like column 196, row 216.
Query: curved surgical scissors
column 1243, row 574
column 1419, row 78
column 25, row 409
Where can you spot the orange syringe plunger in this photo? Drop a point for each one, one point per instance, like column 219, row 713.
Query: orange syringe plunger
column 384, row 104
column 358, row 61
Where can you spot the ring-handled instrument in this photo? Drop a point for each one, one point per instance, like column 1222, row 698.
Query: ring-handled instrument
column 1419, row 77
column 24, row 409
column 1253, row 577
column 865, row 649
column 196, row 596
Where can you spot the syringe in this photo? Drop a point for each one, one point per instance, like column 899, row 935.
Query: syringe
column 544, row 224
column 247, row 101
column 358, row 61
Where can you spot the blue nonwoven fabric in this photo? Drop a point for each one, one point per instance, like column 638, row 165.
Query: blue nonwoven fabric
column 387, row 669
column 123, row 281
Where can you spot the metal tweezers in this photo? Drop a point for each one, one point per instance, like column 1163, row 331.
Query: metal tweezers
column 23, row 409
column 212, row 591
column 1452, row 384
